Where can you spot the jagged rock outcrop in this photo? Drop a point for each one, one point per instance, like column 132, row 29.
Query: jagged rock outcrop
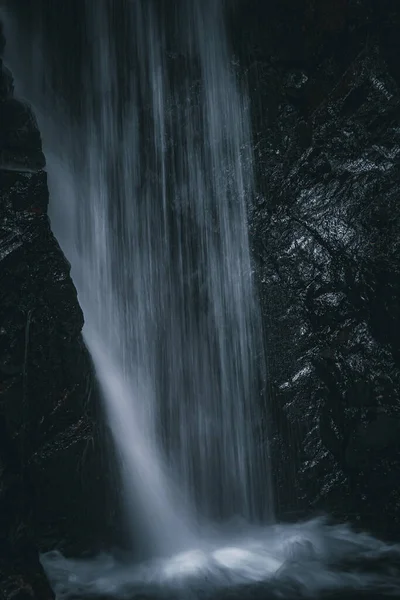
column 50, row 468
column 325, row 231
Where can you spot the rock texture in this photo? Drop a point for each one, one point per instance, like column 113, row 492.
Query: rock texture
column 325, row 232
column 50, row 471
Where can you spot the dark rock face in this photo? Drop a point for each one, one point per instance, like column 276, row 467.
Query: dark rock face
column 325, row 232
column 50, row 472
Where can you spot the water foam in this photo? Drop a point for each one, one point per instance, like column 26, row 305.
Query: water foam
column 283, row 561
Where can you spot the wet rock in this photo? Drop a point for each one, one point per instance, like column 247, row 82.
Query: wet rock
column 325, row 229
column 2, row 39
column 6, row 82
column 370, row 438
column 20, row 141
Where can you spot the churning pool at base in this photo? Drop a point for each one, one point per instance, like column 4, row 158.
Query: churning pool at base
column 289, row 561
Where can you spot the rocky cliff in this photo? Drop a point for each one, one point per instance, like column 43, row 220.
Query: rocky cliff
column 325, row 228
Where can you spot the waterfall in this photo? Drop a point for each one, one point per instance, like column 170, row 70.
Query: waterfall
column 150, row 178
column 146, row 130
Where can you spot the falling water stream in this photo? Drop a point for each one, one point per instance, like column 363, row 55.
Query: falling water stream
column 150, row 180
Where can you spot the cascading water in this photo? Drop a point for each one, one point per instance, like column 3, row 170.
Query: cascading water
column 156, row 174
column 150, row 173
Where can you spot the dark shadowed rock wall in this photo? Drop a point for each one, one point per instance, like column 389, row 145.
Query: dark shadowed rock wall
column 324, row 80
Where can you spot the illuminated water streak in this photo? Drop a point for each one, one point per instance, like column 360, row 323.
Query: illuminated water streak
column 149, row 193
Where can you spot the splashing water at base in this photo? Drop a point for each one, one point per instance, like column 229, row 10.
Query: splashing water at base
column 283, row 561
